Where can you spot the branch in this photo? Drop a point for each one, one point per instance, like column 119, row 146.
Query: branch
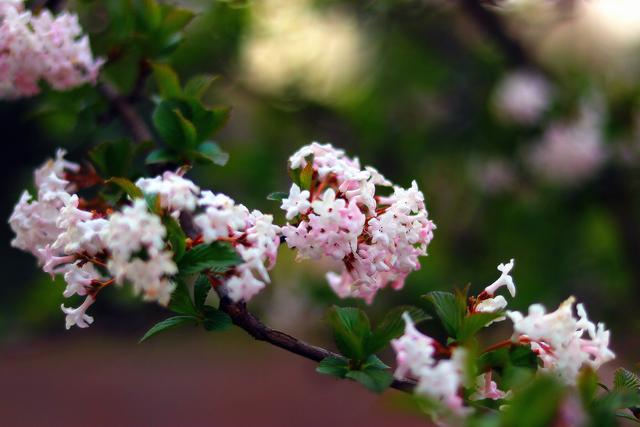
column 128, row 114
column 515, row 53
column 244, row 319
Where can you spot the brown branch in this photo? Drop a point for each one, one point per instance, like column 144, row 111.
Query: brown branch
column 126, row 111
column 237, row 311
column 247, row 321
column 491, row 24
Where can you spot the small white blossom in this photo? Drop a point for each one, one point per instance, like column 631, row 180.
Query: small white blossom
column 175, row 192
column 77, row 316
column 563, row 342
column 297, row 203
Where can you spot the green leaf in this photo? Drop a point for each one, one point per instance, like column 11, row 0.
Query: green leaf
column 153, row 203
column 536, row 405
column 149, row 14
column 587, row 385
column 181, row 300
column 392, row 327
column 169, row 323
column 337, row 367
column 177, row 131
column 210, row 152
column 129, row 187
column 112, row 158
column 176, row 236
column 625, row 380
column 188, row 130
column 161, row 155
column 198, row 85
column 306, row 176
column 278, row 196
column 474, row 323
column 376, row 380
column 176, row 19
column 200, row 291
column 216, row 320
column 374, row 361
column 351, row 329
column 450, row 309
column 208, row 121
column 167, row 81
column 216, row 255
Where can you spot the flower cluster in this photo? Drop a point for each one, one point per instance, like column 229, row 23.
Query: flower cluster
column 42, row 47
column 571, row 151
column 135, row 240
column 93, row 249
column 253, row 235
column 440, row 380
column 563, row 342
column 340, row 215
column 60, row 234
column 522, row 97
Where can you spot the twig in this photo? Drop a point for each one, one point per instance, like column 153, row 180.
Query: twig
column 247, row 321
column 129, row 115
column 515, row 53
column 238, row 312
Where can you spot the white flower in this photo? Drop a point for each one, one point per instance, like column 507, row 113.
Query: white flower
column 175, row 192
column 221, row 217
column 134, row 229
column 486, row 388
column 78, row 316
column 505, row 279
column 414, row 351
column 297, row 203
column 523, row 97
column 563, row 343
column 243, row 286
column 79, row 278
column 42, row 47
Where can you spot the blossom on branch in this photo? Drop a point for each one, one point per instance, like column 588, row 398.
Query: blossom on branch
column 340, row 215
column 42, row 47
column 563, row 342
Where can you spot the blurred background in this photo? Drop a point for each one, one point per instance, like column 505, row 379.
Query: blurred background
column 519, row 119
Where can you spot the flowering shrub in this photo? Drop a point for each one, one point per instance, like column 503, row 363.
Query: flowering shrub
column 102, row 223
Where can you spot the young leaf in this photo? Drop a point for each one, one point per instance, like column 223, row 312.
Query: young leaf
column 176, row 130
column 188, row 130
column 112, row 158
column 450, row 309
column 210, row 152
column 181, row 300
column 161, row 155
column 473, row 323
column 216, row 320
column 200, row 291
column 376, row 380
column 277, row 196
column 169, row 323
column 129, row 187
column 216, row 255
column 176, row 236
column 306, row 175
column 626, row 380
column 167, row 81
column 392, row 327
column 198, row 85
column 539, row 401
column 153, row 203
column 334, row 366
column 176, row 19
column 374, row 361
column 351, row 329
